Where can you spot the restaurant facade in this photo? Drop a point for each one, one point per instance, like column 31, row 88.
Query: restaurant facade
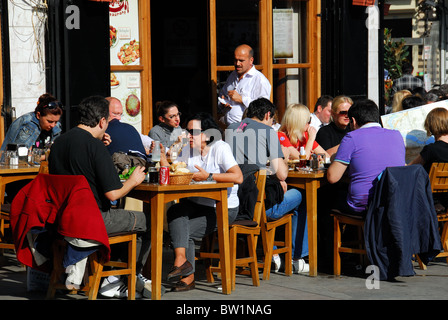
column 144, row 51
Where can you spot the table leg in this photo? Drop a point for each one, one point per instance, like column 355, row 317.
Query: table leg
column 311, row 205
column 222, row 218
column 157, row 212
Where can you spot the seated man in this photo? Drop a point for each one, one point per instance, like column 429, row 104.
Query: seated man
column 80, row 151
column 366, row 151
column 253, row 141
column 123, row 136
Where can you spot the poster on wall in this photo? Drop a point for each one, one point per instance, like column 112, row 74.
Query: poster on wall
column 283, row 33
column 125, row 51
column 124, row 33
column 126, row 87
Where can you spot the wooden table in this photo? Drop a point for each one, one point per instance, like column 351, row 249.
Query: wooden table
column 15, row 173
column 157, row 196
column 309, row 181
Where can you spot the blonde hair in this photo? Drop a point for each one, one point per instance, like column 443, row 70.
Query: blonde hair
column 398, row 98
column 294, row 122
column 436, row 122
column 337, row 101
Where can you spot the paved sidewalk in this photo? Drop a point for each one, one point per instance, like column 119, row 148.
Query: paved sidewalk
column 430, row 284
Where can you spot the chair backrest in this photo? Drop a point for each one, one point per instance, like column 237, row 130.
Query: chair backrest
column 438, row 175
column 259, row 206
column 43, row 167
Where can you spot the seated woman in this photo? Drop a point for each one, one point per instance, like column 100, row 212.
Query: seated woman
column 436, row 124
column 168, row 130
column 329, row 137
column 211, row 159
column 38, row 127
column 296, row 132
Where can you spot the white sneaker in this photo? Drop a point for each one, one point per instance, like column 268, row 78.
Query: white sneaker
column 143, row 286
column 277, row 262
column 300, row 266
column 115, row 289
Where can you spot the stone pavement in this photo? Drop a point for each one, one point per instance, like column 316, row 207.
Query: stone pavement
column 430, row 284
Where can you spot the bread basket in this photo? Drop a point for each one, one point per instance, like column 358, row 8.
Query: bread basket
column 182, row 178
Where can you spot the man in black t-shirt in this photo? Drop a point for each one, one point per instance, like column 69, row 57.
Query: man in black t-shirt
column 81, row 151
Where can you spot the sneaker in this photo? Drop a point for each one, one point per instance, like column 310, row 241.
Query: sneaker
column 115, row 289
column 300, row 266
column 143, row 286
column 277, row 262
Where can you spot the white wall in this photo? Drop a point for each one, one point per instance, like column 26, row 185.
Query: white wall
column 27, row 54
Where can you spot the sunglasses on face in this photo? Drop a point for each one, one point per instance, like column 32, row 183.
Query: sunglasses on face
column 53, row 105
column 194, row 132
column 344, row 113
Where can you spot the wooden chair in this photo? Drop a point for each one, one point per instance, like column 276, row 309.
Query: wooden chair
column 96, row 267
column 5, row 209
column 268, row 232
column 438, row 176
column 249, row 228
column 340, row 220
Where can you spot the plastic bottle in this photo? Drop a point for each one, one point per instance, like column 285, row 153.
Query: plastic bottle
column 156, row 152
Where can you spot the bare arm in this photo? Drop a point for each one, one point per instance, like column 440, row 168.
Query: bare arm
column 137, row 177
column 336, row 171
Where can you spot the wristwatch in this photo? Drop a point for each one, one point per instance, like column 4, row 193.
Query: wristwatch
column 210, row 177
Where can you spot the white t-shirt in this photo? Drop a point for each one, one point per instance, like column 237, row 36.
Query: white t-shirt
column 219, row 159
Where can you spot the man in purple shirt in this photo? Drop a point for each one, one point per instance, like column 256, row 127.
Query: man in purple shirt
column 366, row 152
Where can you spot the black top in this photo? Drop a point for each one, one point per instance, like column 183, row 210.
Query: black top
column 330, row 135
column 77, row 152
column 434, row 152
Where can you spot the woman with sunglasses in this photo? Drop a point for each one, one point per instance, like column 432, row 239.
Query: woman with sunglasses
column 296, row 132
column 168, row 130
column 210, row 159
column 36, row 128
column 329, row 137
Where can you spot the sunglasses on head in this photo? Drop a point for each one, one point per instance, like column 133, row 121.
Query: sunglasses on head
column 53, row 105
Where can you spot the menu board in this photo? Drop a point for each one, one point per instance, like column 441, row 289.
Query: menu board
column 125, row 51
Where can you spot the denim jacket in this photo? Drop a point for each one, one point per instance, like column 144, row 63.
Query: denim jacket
column 26, row 129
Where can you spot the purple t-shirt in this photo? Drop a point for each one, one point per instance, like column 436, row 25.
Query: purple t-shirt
column 368, row 151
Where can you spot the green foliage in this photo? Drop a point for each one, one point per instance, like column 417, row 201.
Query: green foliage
column 395, row 54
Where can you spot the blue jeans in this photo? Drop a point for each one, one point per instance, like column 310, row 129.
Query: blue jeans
column 292, row 202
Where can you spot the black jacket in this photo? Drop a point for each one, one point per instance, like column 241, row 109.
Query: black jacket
column 401, row 221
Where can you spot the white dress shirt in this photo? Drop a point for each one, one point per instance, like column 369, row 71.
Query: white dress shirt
column 316, row 123
column 252, row 86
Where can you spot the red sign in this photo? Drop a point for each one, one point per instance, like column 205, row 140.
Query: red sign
column 364, row 3
column 117, row 7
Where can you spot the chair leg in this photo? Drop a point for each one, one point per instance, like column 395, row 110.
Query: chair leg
column 268, row 244
column 252, row 243
column 95, row 278
column 132, row 261
column 233, row 241
column 336, row 246
column 289, row 253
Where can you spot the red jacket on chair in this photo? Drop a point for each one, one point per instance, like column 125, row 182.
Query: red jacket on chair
column 64, row 201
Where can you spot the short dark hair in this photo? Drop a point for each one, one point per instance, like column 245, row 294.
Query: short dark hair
column 92, row 110
column 323, row 101
column 407, row 68
column 364, row 111
column 207, row 123
column 412, row 102
column 259, row 107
